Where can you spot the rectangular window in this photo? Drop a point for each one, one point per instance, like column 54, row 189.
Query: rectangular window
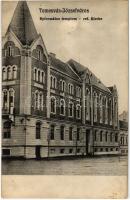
column 78, row 150
column 6, row 152
column 70, row 150
column 111, row 149
column 106, row 136
column 70, row 133
column 52, row 132
column 107, row 149
column 61, row 150
column 101, row 149
column 7, row 135
column 38, row 130
column 78, row 133
column 95, row 135
column 62, row 133
column 52, row 150
column 101, row 136
column 95, row 149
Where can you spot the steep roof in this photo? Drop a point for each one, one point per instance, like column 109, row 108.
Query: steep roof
column 22, row 24
column 63, row 67
column 80, row 69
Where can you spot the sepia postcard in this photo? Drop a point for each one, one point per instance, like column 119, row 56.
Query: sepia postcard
column 64, row 99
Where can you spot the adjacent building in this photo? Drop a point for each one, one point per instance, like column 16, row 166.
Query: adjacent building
column 123, row 126
column 52, row 108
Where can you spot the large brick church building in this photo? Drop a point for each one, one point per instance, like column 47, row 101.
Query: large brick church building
column 49, row 107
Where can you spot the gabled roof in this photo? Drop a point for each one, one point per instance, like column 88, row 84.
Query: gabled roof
column 80, row 69
column 63, row 67
column 22, row 24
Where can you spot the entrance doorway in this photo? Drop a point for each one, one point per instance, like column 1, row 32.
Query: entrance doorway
column 38, row 152
column 87, row 141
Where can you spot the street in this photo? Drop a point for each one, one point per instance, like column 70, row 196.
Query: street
column 83, row 166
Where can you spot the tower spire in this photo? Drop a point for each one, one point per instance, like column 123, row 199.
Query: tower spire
column 22, row 24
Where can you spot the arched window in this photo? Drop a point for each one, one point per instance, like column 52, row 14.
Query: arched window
column 63, row 86
column 9, row 51
column 72, row 89
column 116, row 113
column 43, row 77
column 62, row 107
column 87, row 105
column 71, row 109
column 106, row 136
column 53, row 105
column 116, row 137
column 9, row 73
column 62, row 132
column 38, row 130
column 41, row 101
column 11, row 100
column 110, row 111
column 36, row 100
column 78, row 134
column 70, row 133
column 5, row 99
column 101, row 108
column 38, row 75
column 35, row 74
column 7, row 129
column 38, row 54
column 111, row 137
column 69, row 90
column 4, row 73
column 95, row 106
column 14, row 72
column 52, row 132
column 106, row 110
column 54, row 82
column 78, row 111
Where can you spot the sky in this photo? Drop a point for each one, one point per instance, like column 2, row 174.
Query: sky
column 100, row 45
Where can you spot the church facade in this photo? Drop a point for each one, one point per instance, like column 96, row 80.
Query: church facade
column 51, row 108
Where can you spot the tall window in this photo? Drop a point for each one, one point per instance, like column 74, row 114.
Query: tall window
column 71, row 109
column 62, row 107
column 101, row 136
column 9, row 51
column 42, row 77
column 11, row 100
column 36, row 100
column 9, row 73
column 5, row 99
column 116, row 137
column 62, row 132
column 39, row 76
column 4, row 73
column 95, row 107
column 53, row 82
column 111, row 137
column 7, row 129
column 14, row 72
column 110, row 111
column 52, row 132
column 53, row 105
column 41, row 101
column 70, row 133
column 39, row 54
column 87, row 104
column 78, row 133
column 63, row 86
column 106, row 136
column 106, row 110
column 78, row 111
column 78, row 91
column 95, row 135
column 38, row 130
column 35, row 74
column 101, row 108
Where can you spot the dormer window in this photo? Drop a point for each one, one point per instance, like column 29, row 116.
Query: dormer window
column 39, row 54
column 9, row 51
